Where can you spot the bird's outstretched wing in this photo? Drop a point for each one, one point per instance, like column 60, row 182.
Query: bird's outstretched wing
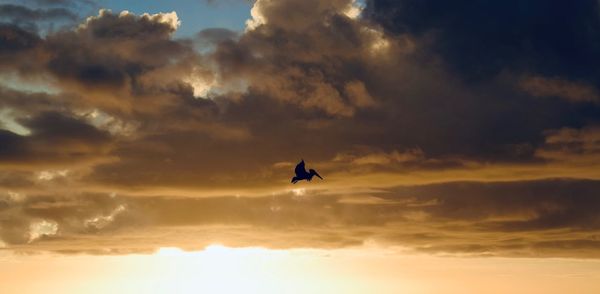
column 300, row 169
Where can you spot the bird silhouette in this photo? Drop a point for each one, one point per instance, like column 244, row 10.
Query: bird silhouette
column 302, row 174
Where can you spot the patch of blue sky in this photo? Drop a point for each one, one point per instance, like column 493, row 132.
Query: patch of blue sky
column 195, row 15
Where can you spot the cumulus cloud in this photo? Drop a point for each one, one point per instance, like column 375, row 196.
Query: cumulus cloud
column 310, row 70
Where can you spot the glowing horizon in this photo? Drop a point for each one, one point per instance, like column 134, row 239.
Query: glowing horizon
column 257, row 270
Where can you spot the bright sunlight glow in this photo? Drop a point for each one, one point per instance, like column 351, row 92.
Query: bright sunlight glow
column 221, row 269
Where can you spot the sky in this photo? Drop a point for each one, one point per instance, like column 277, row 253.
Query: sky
column 458, row 141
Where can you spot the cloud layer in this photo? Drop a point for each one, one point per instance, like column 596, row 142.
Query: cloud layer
column 470, row 127
column 539, row 218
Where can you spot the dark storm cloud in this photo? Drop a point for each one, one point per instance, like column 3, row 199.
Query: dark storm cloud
column 497, row 49
column 405, row 101
column 481, row 38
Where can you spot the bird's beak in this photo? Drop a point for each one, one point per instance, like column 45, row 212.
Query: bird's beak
column 316, row 174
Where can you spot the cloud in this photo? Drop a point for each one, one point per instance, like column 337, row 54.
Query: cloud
column 102, row 221
column 111, row 52
column 382, row 158
column 24, row 14
column 126, row 24
column 37, row 19
column 310, row 74
column 176, row 118
column 568, row 144
column 171, row 117
column 216, row 35
column 476, row 40
column 358, row 94
column 41, row 229
column 277, row 13
column 546, row 218
column 404, row 94
column 63, row 3
column 548, row 87
column 398, row 97
column 16, row 47
column 55, row 139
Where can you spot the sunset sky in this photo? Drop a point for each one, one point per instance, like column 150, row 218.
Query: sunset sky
column 148, row 146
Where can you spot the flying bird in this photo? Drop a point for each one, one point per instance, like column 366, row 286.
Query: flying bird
column 301, row 173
